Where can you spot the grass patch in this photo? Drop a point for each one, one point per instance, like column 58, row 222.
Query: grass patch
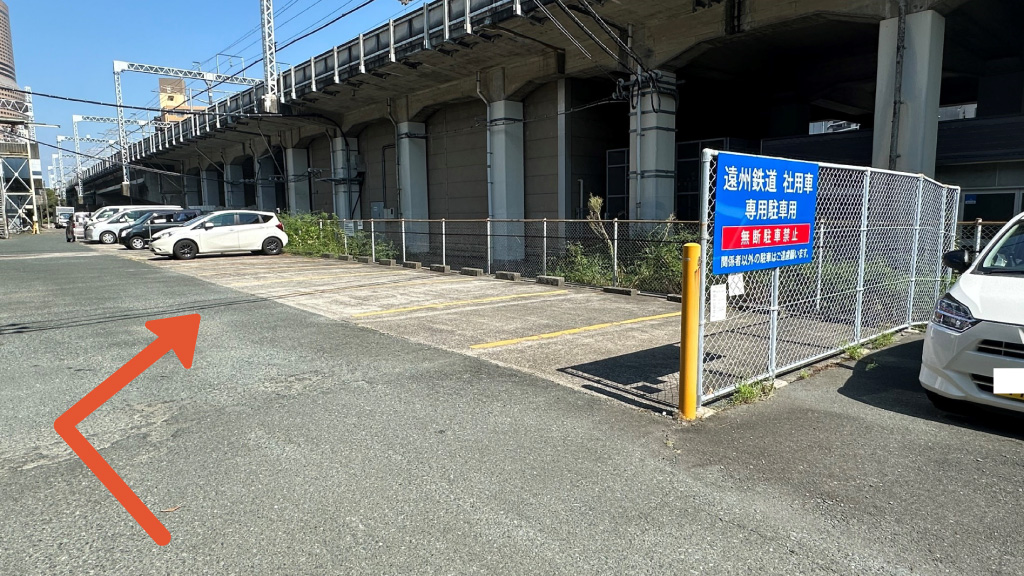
column 883, row 341
column 854, row 351
column 753, row 392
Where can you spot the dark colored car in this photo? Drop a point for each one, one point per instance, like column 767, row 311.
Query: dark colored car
column 138, row 235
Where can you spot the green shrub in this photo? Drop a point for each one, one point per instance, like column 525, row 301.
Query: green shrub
column 319, row 233
column 581, row 266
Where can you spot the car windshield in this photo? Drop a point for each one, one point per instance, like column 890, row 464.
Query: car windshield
column 1006, row 256
column 193, row 221
column 142, row 219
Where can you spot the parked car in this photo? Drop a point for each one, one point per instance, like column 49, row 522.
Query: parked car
column 105, row 231
column 220, row 232
column 978, row 325
column 108, row 211
column 139, row 233
column 80, row 219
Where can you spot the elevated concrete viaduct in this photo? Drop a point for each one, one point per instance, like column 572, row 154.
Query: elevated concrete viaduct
column 526, row 108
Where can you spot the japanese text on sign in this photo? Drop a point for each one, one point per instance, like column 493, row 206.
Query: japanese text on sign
column 764, row 213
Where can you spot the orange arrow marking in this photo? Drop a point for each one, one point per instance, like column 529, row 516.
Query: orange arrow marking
column 178, row 334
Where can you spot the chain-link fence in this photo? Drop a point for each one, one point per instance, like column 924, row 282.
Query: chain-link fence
column 976, row 235
column 879, row 237
column 645, row 255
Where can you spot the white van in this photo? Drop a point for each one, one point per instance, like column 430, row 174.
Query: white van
column 978, row 326
column 108, row 211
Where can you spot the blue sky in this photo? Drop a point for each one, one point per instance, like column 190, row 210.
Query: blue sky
column 66, row 47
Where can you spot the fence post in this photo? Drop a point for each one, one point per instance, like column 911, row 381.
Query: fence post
column 615, row 252
column 863, row 257
column 373, row 241
column 321, row 223
column 913, row 257
column 488, row 245
column 444, row 247
column 773, row 327
column 941, row 244
column 977, row 236
column 705, row 238
column 403, row 240
column 821, row 265
column 344, row 233
column 544, row 249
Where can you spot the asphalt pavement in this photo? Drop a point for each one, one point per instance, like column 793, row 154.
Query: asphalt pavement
column 301, row 444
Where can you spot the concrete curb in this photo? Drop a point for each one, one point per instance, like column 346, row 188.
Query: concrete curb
column 412, row 265
column 328, row 256
column 346, row 257
column 472, row 272
column 364, row 259
column 440, row 268
column 620, row 290
column 551, row 280
column 677, row 298
column 386, row 262
column 512, row 276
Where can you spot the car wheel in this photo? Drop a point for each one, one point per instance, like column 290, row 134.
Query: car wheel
column 945, row 404
column 108, row 238
column 136, row 243
column 272, row 246
column 185, row 250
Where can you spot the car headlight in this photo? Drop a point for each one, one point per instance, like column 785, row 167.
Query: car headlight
column 159, row 235
column 952, row 315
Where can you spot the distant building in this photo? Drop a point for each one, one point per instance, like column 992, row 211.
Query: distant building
column 174, row 100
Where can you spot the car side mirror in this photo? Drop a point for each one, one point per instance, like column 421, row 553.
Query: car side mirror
column 957, row 260
column 207, row 225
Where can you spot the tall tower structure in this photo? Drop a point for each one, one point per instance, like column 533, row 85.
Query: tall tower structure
column 8, row 78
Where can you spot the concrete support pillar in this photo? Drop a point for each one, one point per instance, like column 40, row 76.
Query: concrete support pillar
column 296, row 162
column 211, row 187
column 192, row 190
column 234, row 189
column 345, row 153
column 917, row 131
column 652, row 146
column 508, row 179
column 412, row 184
column 266, row 191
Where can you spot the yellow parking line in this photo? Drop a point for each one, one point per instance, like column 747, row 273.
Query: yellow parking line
column 459, row 303
column 306, row 278
column 549, row 335
column 271, row 269
column 403, row 284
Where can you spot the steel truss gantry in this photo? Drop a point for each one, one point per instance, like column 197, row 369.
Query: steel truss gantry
column 119, row 67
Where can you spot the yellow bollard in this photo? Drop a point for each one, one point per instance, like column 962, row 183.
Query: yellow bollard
column 688, row 346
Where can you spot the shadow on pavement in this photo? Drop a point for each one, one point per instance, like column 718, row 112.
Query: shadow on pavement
column 888, row 380
column 645, row 378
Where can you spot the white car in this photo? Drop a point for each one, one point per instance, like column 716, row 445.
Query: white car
column 106, row 231
column 108, row 211
column 978, row 326
column 220, row 232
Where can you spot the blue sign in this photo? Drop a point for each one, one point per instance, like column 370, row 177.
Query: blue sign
column 764, row 213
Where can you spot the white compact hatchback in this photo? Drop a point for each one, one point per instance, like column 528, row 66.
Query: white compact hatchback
column 220, row 232
column 978, row 326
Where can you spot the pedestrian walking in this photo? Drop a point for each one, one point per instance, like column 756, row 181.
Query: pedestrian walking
column 69, row 230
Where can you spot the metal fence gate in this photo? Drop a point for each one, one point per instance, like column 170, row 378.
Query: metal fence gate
column 878, row 243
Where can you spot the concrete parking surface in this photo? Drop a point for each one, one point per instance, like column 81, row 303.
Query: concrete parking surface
column 307, row 440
